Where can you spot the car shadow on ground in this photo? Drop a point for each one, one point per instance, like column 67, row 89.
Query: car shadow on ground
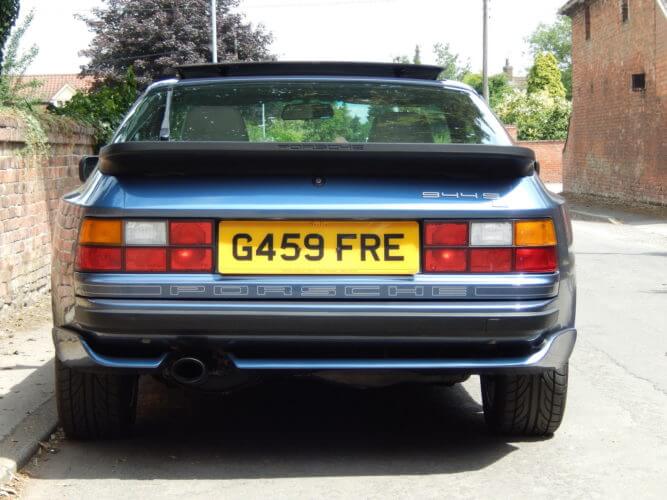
column 24, row 396
column 296, row 428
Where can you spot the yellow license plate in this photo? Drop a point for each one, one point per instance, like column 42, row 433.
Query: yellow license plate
column 318, row 247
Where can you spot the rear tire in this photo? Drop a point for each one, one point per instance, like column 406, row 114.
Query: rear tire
column 528, row 405
column 94, row 406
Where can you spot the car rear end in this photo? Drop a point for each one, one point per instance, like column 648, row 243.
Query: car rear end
column 244, row 226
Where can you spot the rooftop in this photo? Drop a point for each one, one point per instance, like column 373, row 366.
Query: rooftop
column 569, row 6
column 53, row 83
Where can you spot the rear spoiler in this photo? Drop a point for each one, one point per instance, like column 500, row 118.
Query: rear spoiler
column 279, row 159
column 309, row 68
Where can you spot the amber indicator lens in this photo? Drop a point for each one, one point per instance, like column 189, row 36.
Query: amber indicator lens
column 101, row 232
column 538, row 233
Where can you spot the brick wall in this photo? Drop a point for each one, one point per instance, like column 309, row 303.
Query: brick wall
column 550, row 156
column 617, row 145
column 548, row 153
column 30, row 187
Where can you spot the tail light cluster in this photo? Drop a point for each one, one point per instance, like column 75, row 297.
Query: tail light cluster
column 145, row 246
column 522, row 246
column 140, row 246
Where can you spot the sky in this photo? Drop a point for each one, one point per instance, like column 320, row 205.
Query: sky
column 354, row 30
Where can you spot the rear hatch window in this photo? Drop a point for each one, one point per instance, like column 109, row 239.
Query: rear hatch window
column 304, row 111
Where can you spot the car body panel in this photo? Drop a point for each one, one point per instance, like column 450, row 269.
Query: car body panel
column 104, row 317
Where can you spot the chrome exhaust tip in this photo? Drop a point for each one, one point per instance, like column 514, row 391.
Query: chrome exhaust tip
column 188, row 371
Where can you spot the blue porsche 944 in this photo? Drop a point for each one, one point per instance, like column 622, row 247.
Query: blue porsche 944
column 350, row 221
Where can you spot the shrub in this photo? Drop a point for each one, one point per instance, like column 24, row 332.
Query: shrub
column 103, row 108
column 545, row 76
column 538, row 116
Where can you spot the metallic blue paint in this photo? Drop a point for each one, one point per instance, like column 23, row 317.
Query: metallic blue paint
column 77, row 296
column 295, row 196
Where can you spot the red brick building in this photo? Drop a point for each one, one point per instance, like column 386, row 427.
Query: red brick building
column 617, row 143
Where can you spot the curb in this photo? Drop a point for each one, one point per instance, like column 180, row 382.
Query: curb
column 592, row 217
column 22, row 443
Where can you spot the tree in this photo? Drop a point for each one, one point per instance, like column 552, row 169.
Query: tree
column 538, row 116
column 555, row 38
column 499, row 86
column 454, row 69
column 152, row 36
column 545, row 76
column 9, row 11
column 343, row 123
column 17, row 90
column 417, row 59
column 102, row 108
column 401, row 59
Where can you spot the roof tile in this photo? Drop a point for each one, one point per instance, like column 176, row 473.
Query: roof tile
column 51, row 84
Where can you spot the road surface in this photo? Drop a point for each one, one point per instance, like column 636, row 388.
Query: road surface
column 314, row 440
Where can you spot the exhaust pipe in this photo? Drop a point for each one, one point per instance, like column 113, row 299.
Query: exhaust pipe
column 188, row 371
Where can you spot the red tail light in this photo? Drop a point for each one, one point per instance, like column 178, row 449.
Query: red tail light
column 142, row 246
column 491, row 260
column 446, row 233
column 190, row 233
column 498, row 246
column 536, row 260
column 452, row 260
column 190, row 259
column 99, row 259
column 146, row 259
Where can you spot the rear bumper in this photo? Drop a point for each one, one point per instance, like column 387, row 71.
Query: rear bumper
column 553, row 352
column 460, row 321
column 144, row 335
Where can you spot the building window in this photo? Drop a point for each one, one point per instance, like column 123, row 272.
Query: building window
column 625, row 11
column 587, row 21
column 639, row 82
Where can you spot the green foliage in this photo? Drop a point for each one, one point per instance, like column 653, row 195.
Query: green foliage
column 556, row 39
column 499, row 86
column 537, row 115
column 103, row 107
column 454, row 68
column 545, row 76
column 343, row 124
column 9, row 11
column 15, row 90
column 401, row 59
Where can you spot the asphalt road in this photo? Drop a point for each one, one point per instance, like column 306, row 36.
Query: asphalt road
column 314, row 440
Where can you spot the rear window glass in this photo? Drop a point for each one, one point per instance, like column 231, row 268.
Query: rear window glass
column 313, row 111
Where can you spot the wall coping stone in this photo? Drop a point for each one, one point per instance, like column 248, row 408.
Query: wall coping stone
column 13, row 130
